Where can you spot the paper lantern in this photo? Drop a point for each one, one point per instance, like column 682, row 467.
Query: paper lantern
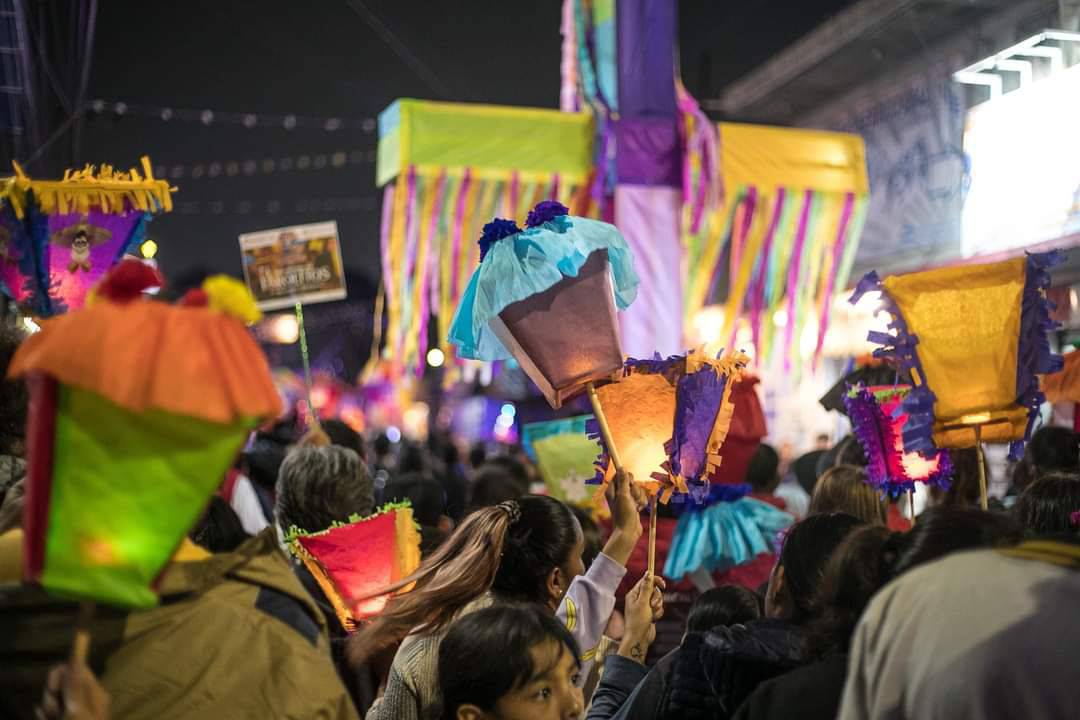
column 350, row 561
column 79, row 227
column 668, row 418
column 972, row 340
column 547, row 296
column 564, row 455
column 878, row 419
column 138, row 408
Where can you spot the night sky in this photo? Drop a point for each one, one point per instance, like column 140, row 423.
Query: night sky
column 321, row 59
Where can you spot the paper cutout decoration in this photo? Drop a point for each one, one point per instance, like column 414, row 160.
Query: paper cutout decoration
column 77, row 229
column 137, row 410
column 547, row 296
column 878, row 418
column 972, row 339
column 719, row 535
column 352, row 560
column 564, row 456
column 668, row 419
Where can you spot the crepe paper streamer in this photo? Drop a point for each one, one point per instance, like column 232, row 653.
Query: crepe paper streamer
column 878, row 420
column 724, row 535
column 78, row 228
column 564, row 455
column 122, row 454
column 973, row 339
column 352, row 561
column 669, row 419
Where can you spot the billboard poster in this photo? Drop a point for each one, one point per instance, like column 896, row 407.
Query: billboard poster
column 286, row 265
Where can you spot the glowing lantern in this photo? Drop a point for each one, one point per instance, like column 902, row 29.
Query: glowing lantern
column 353, row 560
column 547, row 296
column 123, row 456
column 668, row 419
column 878, row 419
column 973, row 339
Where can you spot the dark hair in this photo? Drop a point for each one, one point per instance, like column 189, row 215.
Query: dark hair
column 724, row 605
column 488, row 653
column 762, row 471
column 318, row 486
column 948, row 529
column 1047, row 505
column 424, row 493
column 844, row 489
column 261, row 462
column 963, row 490
column 514, row 469
column 382, row 445
column 590, row 531
column 343, row 435
column 14, row 395
column 850, row 452
column 1051, row 449
column 854, row 572
column 495, row 483
column 509, row 549
column 219, row 529
column 807, row 547
column 805, row 470
column 477, row 455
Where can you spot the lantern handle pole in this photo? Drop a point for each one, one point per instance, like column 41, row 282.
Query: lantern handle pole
column 911, row 504
column 80, row 644
column 613, row 452
column 982, row 467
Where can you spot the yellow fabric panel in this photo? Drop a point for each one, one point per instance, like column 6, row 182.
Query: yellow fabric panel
column 792, row 158
column 490, row 140
column 967, row 320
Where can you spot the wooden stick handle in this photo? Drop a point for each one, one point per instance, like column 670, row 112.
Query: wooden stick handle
column 605, row 431
column 982, row 468
column 652, row 536
column 911, row 505
column 80, row 645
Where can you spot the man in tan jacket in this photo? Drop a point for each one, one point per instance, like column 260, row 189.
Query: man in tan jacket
column 235, row 636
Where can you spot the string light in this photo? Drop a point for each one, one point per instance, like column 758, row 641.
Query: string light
column 249, row 120
column 231, row 168
column 273, row 206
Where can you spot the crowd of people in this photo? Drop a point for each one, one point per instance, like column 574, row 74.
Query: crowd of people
column 525, row 607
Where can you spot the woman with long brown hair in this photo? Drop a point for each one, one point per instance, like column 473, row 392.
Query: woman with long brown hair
column 843, row 488
column 524, row 550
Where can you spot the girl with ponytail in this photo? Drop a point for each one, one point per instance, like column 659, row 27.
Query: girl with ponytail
column 526, row 550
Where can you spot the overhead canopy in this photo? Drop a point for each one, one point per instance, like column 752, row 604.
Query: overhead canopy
column 492, row 141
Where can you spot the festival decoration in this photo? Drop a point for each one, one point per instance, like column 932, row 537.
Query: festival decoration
column 20, row 278
column 972, row 340
column 77, row 228
column 350, row 561
column 878, row 419
column 564, row 456
column 1064, row 385
column 790, row 203
column 668, row 418
column 719, row 534
column 122, row 454
column 547, row 296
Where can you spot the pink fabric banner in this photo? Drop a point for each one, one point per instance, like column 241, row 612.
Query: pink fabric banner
column 649, row 220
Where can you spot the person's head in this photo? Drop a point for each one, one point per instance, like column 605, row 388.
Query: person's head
column 1053, row 449
column 343, row 435
column 843, row 489
column 724, row 605
column 808, row 546
column 14, row 396
column 477, row 455
column 805, row 470
column 496, row 482
column 590, row 531
column 850, row 452
column 413, row 458
column 318, row 486
column 513, row 468
column 261, row 461
column 762, row 473
column 219, row 529
column 963, row 487
column 524, row 550
column 510, row 662
column 1047, row 505
column 948, row 529
column 428, row 500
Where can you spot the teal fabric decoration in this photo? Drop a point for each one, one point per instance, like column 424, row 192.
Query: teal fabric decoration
column 530, row 262
column 724, row 535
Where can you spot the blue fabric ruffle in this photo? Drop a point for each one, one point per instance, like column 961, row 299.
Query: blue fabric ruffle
column 530, row 262
column 723, row 536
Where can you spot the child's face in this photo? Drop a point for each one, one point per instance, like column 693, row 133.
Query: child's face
column 551, row 694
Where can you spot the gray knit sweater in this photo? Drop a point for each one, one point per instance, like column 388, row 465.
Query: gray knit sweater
column 412, row 689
